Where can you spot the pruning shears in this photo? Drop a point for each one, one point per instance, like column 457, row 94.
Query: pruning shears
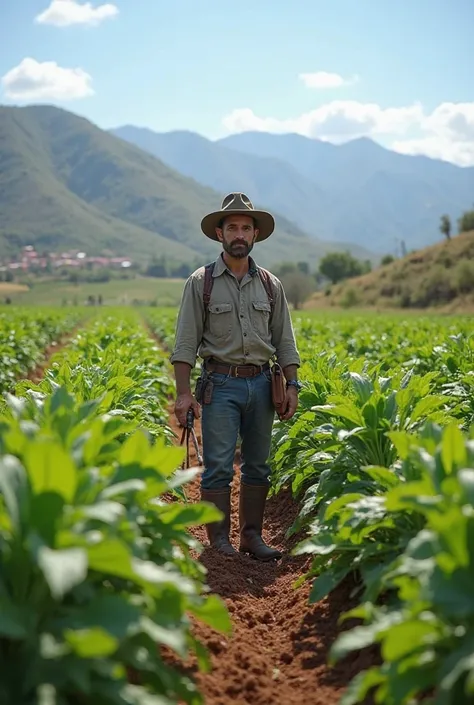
column 189, row 432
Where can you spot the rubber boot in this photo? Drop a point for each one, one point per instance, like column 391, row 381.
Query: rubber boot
column 218, row 531
column 251, row 510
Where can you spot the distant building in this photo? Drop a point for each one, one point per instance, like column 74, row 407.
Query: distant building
column 30, row 259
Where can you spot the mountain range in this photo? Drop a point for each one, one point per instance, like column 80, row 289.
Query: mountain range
column 65, row 183
column 357, row 192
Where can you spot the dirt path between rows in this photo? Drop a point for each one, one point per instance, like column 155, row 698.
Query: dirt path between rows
column 36, row 374
column 277, row 654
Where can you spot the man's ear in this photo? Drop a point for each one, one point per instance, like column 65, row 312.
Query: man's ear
column 255, row 234
column 219, row 234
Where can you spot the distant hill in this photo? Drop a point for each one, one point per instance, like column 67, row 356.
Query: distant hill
column 440, row 276
column 374, row 194
column 265, row 179
column 66, row 183
column 357, row 192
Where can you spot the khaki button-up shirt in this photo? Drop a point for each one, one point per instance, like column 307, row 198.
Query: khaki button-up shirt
column 239, row 328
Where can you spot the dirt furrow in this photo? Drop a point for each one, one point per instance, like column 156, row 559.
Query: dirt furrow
column 277, row 654
column 36, row 373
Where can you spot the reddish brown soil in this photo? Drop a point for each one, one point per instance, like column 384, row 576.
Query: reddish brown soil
column 277, row 654
column 36, row 374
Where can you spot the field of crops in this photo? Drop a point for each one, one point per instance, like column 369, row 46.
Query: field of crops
column 102, row 590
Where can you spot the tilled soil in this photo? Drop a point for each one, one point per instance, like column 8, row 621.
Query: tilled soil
column 277, row 653
column 36, row 373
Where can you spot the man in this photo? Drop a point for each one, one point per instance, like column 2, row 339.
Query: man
column 236, row 334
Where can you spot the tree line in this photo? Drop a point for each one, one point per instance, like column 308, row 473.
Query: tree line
column 465, row 224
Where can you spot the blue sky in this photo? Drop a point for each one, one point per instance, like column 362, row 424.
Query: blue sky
column 399, row 72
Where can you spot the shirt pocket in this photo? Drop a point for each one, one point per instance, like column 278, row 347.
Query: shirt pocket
column 260, row 318
column 220, row 320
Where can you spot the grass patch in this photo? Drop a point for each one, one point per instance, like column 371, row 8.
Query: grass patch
column 117, row 292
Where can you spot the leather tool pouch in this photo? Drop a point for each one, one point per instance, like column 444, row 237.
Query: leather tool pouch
column 207, row 391
column 198, row 389
column 204, row 387
column 278, row 388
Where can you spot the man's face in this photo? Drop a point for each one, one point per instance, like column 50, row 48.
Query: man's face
column 237, row 235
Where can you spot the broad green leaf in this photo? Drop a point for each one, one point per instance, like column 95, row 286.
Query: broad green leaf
column 214, row 613
column 181, row 516
column 402, row 442
column 183, row 477
column 63, row 569
column 337, row 504
column 466, row 480
column 354, row 639
column 426, row 406
column 326, row 582
column 369, row 413
column 107, row 512
column 45, row 515
column 112, row 557
column 149, row 572
column 135, row 695
column 91, row 643
column 14, row 620
column 47, row 694
column 173, row 637
column 384, row 477
column 347, row 411
column 404, row 638
column 453, row 452
column 134, row 449
column 60, row 398
column 14, row 488
column 360, row 686
column 114, row 614
column 410, row 495
column 123, row 488
column 164, row 458
column 51, row 468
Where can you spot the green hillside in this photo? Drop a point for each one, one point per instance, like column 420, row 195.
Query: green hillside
column 440, row 277
column 37, row 205
column 66, row 183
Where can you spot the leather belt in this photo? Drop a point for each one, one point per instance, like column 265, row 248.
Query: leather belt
column 236, row 370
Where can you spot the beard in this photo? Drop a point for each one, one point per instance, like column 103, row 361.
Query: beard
column 238, row 248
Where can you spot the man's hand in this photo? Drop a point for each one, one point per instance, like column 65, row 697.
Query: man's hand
column 183, row 403
column 291, row 404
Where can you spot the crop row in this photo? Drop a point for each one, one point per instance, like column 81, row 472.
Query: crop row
column 381, row 456
column 24, row 336
column 98, row 580
column 162, row 322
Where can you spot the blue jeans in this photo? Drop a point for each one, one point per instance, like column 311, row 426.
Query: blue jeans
column 239, row 405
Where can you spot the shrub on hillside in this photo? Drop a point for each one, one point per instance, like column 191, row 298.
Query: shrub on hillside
column 350, row 298
column 463, row 277
column 466, row 222
column 436, row 288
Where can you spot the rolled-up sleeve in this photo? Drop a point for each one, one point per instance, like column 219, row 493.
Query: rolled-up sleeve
column 283, row 336
column 189, row 326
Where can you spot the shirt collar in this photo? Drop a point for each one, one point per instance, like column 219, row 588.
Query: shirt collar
column 220, row 266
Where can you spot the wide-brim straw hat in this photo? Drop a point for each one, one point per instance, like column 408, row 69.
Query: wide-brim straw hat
column 238, row 204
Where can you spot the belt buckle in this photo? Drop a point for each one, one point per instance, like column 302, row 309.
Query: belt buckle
column 236, row 371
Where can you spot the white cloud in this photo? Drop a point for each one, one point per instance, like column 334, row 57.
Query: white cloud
column 63, row 13
column 336, row 121
column 32, row 81
column 458, row 152
column 453, row 121
column 448, row 134
column 445, row 133
column 324, row 79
